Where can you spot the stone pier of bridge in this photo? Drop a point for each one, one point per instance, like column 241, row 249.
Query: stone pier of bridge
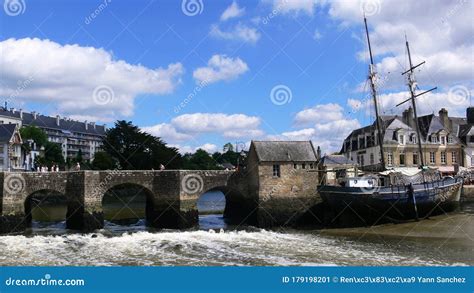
column 172, row 197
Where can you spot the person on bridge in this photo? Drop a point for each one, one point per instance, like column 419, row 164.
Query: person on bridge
column 78, row 167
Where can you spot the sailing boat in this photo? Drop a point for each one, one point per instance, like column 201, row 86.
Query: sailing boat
column 372, row 202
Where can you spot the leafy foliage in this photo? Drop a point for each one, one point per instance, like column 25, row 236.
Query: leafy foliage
column 137, row 150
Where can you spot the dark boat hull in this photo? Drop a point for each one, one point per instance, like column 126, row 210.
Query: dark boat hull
column 393, row 204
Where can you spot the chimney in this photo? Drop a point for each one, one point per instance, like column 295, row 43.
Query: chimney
column 21, row 113
column 34, row 114
column 93, row 124
column 409, row 117
column 86, row 125
column 318, row 153
column 443, row 116
column 57, row 120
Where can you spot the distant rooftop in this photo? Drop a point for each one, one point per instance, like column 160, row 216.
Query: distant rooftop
column 336, row 160
column 6, row 132
column 285, row 151
column 49, row 122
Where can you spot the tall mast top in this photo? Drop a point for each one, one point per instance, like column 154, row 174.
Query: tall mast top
column 374, row 96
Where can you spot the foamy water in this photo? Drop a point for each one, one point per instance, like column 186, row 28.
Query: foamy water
column 198, row 248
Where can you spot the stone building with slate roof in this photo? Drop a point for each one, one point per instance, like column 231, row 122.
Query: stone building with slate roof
column 11, row 157
column 333, row 167
column 442, row 148
column 284, row 171
column 70, row 134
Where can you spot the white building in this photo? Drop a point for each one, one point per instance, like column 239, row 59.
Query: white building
column 11, row 157
column 71, row 135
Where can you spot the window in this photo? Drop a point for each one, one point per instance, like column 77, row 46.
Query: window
column 413, row 138
column 415, row 159
column 303, row 166
column 450, row 139
column 432, row 158
column 372, row 161
column 362, row 160
column 402, row 159
column 295, row 166
column 362, row 143
column 443, row 157
column 434, row 139
column 390, row 159
column 276, row 170
column 443, row 139
column 401, row 139
column 454, row 157
column 311, row 166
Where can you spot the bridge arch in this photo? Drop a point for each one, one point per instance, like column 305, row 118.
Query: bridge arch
column 135, row 201
column 40, row 201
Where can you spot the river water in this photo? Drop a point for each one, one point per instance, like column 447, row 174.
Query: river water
column 441, row 240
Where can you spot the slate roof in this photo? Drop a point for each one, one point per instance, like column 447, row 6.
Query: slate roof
column 285, row 151
column 6, row 132
column 336, row 160
column 43, row 121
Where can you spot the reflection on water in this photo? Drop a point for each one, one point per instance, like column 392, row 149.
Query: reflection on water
column 441, row 240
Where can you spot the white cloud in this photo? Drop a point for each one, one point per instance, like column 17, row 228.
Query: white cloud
column 319, row 113
column 220, row 67
column 240, row 32
column 441, row 36
column 455, row 102
column 294, row 6
column 68, row 75
column 167, row 132
column 232, row 11
column 328, row 128
column 184, row 149
column 189, row 127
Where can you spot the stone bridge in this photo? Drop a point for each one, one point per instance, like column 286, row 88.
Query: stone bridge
column 171, row 196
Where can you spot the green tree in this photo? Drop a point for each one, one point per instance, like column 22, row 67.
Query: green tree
column 200, row 160
column 30, row 132
column 52, row 155
column 228, row 147
column 135, row 149
column 103, row 161
column 79, row 156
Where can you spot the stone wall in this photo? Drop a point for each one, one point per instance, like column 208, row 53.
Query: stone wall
column 283, row 200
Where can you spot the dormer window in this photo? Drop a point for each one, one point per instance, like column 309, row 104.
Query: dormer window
column 434, row 138
column 443, row 140
column 401, row 139
column 413, row 138
column 450, row 139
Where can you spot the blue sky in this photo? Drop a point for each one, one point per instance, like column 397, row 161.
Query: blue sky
column 230, row 70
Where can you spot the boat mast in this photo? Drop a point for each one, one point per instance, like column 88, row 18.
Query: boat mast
column 413, row 95
column 372, row 74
